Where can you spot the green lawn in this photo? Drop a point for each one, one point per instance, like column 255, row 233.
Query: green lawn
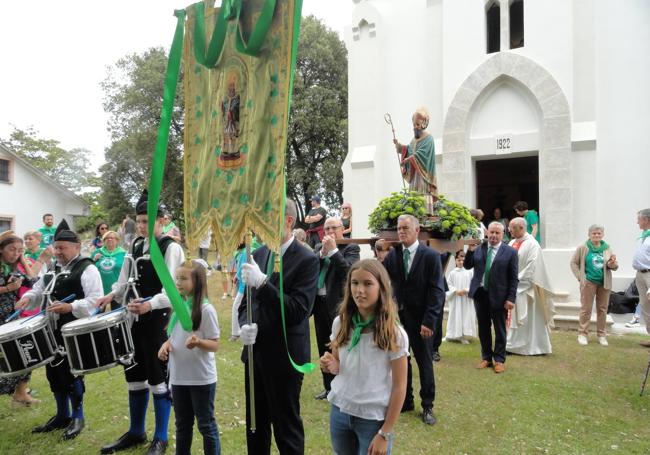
column 577, row 400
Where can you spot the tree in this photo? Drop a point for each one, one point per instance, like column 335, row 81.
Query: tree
column 67, row 167
column 317, row 138
column 133, row 97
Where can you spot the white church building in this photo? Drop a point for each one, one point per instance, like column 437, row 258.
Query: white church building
column 546, row 101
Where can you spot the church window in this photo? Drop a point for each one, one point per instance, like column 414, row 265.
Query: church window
column 5, row 171
column 493, row 27
column 516, row 24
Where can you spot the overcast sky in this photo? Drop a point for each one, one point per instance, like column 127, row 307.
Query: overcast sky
column 54, row 56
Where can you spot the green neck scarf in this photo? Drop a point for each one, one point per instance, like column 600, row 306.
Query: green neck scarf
column 169, row 227
column 174, row 317
column 359, row 325
column 5, row 269
column 603, row 246
column 645, row 234
column 104, row 252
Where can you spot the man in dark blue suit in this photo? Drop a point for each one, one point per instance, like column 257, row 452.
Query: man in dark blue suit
column 417, row 279
column 277, row 383
column 494, row 289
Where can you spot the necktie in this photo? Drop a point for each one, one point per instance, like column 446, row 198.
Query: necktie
column 323, row 272
column 488, row 265
column 407, row 257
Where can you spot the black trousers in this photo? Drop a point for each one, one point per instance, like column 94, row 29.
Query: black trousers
column 323, row 320
column 58, row 371
column 437, row 334
column 148, row 334
column 423, row 352
column 487, row 316
column 277, row 403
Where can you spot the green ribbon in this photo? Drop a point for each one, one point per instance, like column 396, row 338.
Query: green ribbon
column 230, row 10
column 359, row 325
column 157, row 170
column 174, row 317
column 594, row 249
column 645, row 234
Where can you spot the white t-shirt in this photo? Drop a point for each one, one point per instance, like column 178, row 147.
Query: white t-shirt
column 364, row 383
column 194, row 366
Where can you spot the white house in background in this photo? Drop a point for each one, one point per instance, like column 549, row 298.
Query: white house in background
column 541, row 100
column 26, row 193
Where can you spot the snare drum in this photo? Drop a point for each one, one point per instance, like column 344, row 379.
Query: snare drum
column 26, row 344
column 98, row 342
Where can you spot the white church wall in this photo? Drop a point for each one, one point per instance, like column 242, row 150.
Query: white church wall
column 623, row 116
column 584, row 61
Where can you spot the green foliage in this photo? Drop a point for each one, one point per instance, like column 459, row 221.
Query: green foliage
column 67, row 167
column 385, row 215
column 452, row 221
column 317, row 135
column 133, row 96
column 97, row 213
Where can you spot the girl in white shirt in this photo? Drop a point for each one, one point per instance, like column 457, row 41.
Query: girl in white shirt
column 192, row 371
column 368, row 357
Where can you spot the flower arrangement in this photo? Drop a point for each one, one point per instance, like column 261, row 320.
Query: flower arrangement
column 452, row 221
column 384, row 216
column 449, row 220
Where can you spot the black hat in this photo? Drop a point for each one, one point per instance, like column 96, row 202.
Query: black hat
column 63, row 233
column 141, row 206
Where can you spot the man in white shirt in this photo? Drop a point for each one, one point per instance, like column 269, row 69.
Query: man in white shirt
column 78, row 280
column 641, row 263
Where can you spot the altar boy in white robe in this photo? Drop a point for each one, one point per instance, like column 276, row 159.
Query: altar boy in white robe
column 461, row 322
column 532, row 316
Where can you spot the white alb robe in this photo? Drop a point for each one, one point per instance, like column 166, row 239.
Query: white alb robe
column 461, row 320
column 532, row 316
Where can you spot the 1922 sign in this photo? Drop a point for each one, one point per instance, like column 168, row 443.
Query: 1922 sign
column 503, row 144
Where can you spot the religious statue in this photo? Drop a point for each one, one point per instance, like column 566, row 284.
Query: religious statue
column 230, row 116
column 418, row 159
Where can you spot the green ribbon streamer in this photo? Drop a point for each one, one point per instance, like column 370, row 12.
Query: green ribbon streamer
column 230, row 10
column 157, row 169
column 174, row 317
column 359, row 325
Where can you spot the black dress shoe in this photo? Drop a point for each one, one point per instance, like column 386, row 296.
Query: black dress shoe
column 125, row 441
column 73, row 430
column 436, row 356
column 322, row 395
column 407, row 406
column 55, row 423
column 428, row 417
column 157, row 447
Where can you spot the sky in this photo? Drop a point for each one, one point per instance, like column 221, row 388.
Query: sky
column 55, row 54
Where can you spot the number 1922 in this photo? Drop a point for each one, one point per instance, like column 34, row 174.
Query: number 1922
column 503, row 144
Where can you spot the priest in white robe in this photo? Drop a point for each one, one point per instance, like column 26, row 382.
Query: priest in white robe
column 532, row 316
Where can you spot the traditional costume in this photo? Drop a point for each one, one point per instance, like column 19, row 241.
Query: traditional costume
column 147, row 373
column 81, row 278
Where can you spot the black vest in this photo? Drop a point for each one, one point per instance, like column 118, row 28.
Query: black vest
column 148, row 284
column 68, row 284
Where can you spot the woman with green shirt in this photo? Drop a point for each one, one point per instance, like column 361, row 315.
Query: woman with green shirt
column 592, row 265
column 109, row 259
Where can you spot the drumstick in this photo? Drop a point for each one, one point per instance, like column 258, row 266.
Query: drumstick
column 98, row 310
column 65, row 300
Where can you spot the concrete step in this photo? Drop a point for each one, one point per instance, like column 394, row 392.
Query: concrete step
column 570, row 322
column 561, row 297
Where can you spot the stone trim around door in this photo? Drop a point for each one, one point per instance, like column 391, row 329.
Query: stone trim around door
column 555, row 174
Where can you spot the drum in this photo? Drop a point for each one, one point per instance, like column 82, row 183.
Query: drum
column 26, row 344
column 98, row 342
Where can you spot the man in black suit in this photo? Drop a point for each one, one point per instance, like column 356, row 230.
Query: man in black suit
column 277, row 383
column 335, row 261
column 417, row 279
column 494, row 289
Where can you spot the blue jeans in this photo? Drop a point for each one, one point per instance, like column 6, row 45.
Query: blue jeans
column 190, row 401
column 352, row 435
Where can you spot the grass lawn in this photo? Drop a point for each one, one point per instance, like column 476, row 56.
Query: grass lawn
column 577, row 400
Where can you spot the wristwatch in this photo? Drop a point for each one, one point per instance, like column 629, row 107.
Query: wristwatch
column 384, row 435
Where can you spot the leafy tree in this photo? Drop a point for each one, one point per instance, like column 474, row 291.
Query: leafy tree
column 317, row 141
column 133, row 97
column 67, row 167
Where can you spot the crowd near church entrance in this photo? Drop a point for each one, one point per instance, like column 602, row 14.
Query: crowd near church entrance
column 502, row 182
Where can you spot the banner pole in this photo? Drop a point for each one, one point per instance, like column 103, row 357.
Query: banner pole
column 249, row 320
